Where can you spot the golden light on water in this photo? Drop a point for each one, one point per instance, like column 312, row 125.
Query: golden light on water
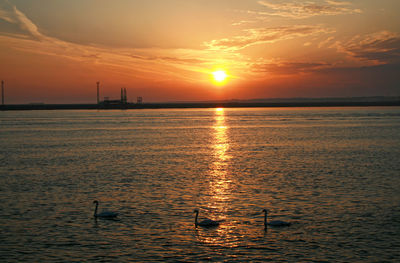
column 220, row 184
column 220, row 181
column 221, row 143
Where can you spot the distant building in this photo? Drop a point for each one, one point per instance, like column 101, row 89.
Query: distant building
column 122, row 103
column 112, row 102
column 124, row 99
column 108, row 101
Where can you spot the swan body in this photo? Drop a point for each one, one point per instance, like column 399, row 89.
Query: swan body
column 206, row 222
column 279, row 223
column 104, row 214
column 276, row 223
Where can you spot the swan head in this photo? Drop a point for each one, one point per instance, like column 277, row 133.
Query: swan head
column 196, row 211
column 265, row 210
column 95, row 202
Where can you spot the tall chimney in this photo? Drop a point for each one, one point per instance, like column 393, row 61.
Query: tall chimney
column 125, row 99
column 98, row 92
column 122, row 95
column 2, row 92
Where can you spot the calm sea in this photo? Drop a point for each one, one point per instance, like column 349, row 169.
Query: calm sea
column 334, row 173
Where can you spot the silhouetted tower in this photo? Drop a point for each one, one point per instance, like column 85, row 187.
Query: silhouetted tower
column 2, row 92
column 98, row 92
column 123, row 96
column 139, row 100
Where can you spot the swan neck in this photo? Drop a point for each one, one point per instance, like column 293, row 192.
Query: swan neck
column 265, row 219
column 95, row 210
column 195, row 220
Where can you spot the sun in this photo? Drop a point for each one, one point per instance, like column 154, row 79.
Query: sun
column 219, row 76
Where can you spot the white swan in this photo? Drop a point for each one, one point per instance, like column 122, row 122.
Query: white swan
column 275, row 222
column 206, row 222
column 104, row 214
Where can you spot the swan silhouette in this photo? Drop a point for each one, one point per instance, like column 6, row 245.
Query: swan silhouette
column 274, row 222
column 206, row 222
column 103, row 214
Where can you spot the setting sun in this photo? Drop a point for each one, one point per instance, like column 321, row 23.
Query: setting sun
column 219, row 76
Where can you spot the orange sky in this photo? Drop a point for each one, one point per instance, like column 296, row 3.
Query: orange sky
column 166, row 50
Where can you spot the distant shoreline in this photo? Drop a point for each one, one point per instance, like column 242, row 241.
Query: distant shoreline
column 15, row 107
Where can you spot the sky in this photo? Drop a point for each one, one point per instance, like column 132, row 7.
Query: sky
column 54, row 51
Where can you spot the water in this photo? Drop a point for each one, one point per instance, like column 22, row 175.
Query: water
column 334, row 173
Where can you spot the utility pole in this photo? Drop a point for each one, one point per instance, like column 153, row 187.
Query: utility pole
column 98, row 92
column 2, row 92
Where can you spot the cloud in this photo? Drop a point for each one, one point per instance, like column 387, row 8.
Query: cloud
column 7, row 12
column 337, row 3
column 27, row 24
column 155, row 61
column 381, row 47
column 300, row 9
column 288, row 67
column 369, row 51
column 325, row 42
column 242, row 22
column 11, row 14
column 170, row 59
column 264, row 35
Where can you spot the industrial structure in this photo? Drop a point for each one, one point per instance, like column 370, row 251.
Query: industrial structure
column 115, row 103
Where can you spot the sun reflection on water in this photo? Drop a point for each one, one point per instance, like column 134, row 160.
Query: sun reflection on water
column 221, row 144
column 220, row 186
column 220, row 182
